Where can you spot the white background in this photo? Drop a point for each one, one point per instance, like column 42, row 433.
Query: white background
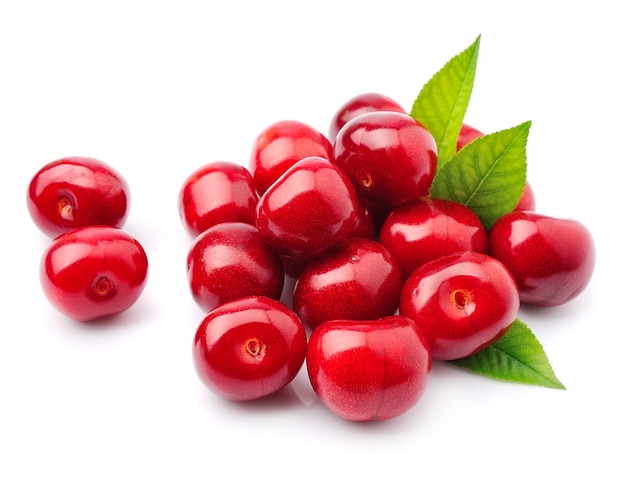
column 159, row 88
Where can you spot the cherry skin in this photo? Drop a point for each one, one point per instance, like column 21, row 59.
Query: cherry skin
column 249, row 348
column 229, row 261
column 527, row 202
column 356, row 280
column 389, row 157
column 76, row 192
column 93, row 272
column 282, row 144
column 214, row 193
column 360, row 104
column 467, row 135
column 365, row 225
column 462, row 302
column 309, row 209
column 428, row 228
column 368, row 370
column 551, row 259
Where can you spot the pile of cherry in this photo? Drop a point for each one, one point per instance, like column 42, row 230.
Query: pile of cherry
column 327, row 251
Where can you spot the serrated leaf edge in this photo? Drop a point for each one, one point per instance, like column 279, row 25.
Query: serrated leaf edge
column 447, row 139
column 552, row 380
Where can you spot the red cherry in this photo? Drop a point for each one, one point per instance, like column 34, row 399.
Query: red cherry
column 467, row 135
column 93, row 272
column 429, row 228
column 356, row 280
column 365, row 225
column 309, row 209
column 358, row 105
column 389, row 157
column 368, row 370
column 229, row 261
column 214, row 193
column 282, row 144
column 527, row 201
column 76, row 192
column 551, row 259
column 462, row 302
column 249, row 348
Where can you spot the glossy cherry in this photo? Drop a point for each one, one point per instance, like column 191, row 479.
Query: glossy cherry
column 76, row 192
column 249, row 348
column 229, row 261
column 527, row 201
column 358, row 105
column 467, row 135
column 429, row 228
column 389, row 157
column 214, row 193
column 462, row 302
column 551, row 259
column 368, row 370
column 356, row 280
column 93, row 272
column 282, row 144
column 309, row 209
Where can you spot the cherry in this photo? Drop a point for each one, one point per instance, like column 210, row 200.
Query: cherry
column 362, row 103
column 249, row 348
column 467, row 135
column 358, row 279
column 76, row 192
column 428, row 228
column 309, row 209
column 282, row 144
column 368, row 370
column 462, row 302
column 366, row 225
column 551, row 259
column 229, row 261
column 93, row 272
column 389, row 157
column 527, row 202
column 214, row 193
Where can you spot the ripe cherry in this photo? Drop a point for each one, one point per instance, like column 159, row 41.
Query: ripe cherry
column 428, row 228
column 356, row 280
column 93, row 272
column 368, row 370
column 309, row 209
column 389, row 157
column 467, row 135
column 551, row 259
column 214, row 193
column 249, row 348
column 462, row 302
column 282, row 144
column 229, row 261
column 358, row 105
column 76, row 192
column 527, row 201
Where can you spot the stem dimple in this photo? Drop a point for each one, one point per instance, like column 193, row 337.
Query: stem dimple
column 254, row 347
column 462, row 299
column 65, row 206
column 103, row 287
column 364, row 178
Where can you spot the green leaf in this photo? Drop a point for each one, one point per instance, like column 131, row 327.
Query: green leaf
column 487, row 175
column 441, row 104
column 517, row 357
